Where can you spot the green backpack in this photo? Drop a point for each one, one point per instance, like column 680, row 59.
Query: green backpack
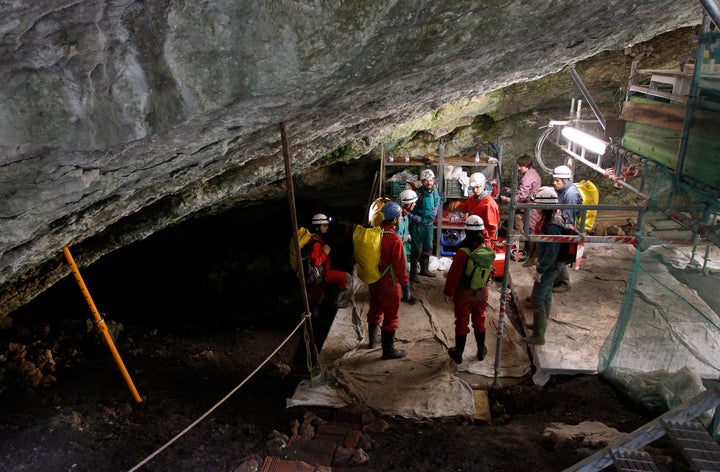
column 479, row 266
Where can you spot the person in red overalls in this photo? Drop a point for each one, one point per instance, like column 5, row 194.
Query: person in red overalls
column 320, row 257
column 482, row 204
column 468, row 305
column 385, row 294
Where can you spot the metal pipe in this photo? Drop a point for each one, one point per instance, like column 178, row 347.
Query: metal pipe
column 692, row 103
column 100, row 323
column 441, row 184
column 605, row 173
column 308, row 331
column 712, row 8
column 505, row 290
column 588, row 98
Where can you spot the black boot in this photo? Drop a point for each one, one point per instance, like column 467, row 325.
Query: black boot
column 482, row 350
column 424, row 262
column 388, row 347
column 372, row 335
column 456, row 352
column 414, row 270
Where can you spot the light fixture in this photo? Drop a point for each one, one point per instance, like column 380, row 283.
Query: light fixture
column 587, row 141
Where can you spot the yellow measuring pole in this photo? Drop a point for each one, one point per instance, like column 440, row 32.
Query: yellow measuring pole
column 100, row 322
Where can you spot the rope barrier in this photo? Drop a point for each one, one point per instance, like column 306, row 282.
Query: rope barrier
column 214, row 407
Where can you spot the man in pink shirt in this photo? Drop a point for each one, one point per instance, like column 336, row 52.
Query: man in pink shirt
column 529, row 183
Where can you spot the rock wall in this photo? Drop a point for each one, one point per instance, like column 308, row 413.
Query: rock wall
column 123, row 118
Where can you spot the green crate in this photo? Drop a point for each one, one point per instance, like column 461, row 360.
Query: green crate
column 396, row 188
column 453, row 189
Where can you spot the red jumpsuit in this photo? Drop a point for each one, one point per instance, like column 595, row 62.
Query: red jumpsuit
column 486, row 208
column 385, row 294
column 466, row 303
column 332, row 277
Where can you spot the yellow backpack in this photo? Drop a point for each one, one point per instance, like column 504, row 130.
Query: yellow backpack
column 366, row 249
column 590, row 196
column 366, row 244
column 313, row 275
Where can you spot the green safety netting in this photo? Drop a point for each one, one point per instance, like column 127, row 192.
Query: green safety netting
column 665, row 346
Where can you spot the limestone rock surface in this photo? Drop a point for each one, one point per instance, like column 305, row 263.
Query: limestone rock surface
column 119, row 119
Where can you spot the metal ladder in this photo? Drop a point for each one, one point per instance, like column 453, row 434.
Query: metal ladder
column 698, row 447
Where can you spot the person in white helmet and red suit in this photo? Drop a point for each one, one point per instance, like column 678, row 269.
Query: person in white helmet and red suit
column 320, row 257
column 482, row 204
column 386, row 292
column 469, row 295
column 422, row 219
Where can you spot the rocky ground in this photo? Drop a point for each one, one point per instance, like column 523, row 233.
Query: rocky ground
column 191, row 326
column 80, row 415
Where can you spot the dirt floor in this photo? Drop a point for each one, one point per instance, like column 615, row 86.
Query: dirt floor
column 195, row 325
column 86, row 418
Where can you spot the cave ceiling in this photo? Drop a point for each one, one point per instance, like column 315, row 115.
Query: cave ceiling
column 122, row 118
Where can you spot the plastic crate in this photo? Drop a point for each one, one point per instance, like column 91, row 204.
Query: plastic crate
column 453, row 189
column 396, row 188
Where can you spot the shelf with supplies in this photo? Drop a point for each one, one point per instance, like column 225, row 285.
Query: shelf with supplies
column 456, row 181
column 399, row 171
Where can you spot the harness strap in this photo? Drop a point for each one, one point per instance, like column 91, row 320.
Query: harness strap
column 390, row 266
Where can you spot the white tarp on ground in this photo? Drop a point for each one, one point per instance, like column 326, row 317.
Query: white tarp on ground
column 581, row 318
column 425, row 383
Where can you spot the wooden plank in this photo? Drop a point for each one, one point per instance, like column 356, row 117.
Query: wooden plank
column 662, row 116
column 658, row 144
column 658, row 93
column 482, row 405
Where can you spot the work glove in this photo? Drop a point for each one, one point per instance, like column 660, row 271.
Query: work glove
column 326, row 249
column 406, row 297
column 538, row 277
column 416, row 218
column 435, row 212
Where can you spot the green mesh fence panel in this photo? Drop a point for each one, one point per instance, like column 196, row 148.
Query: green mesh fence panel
column 665, row 346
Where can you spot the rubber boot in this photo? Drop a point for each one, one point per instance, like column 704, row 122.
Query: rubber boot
column 539, row 324
column 424, row 262
column 562, row 281
column 414, row 270
column 481, row 348
column 388, row 346
column 456, row 352
column 373, row 335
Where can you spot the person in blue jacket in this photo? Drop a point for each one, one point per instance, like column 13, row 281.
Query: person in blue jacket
column 567, row 193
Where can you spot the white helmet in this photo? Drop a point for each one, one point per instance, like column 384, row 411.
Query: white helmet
column 321, row 219
column 562, row 172
column 474, row 223
column 477, row 180
column 546, row 195
column 408, row 196
column 427, row 174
